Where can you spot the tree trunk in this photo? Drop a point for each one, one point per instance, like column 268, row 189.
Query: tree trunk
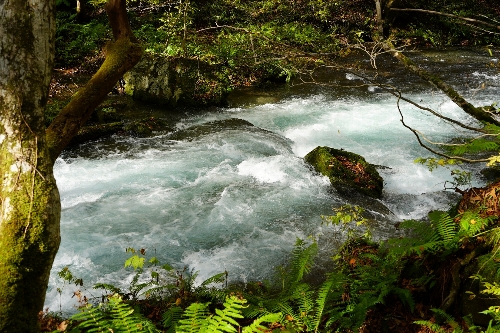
column 380, row 20
column 29, row 199
column 121, row 55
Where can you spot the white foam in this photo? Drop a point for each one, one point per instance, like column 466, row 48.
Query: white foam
column 266, row 170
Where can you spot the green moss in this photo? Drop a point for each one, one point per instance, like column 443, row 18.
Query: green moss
column 29, row 239
column 178, row 81
column 346, row 170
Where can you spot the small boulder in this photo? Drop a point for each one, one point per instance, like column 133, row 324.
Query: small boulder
column 347, row 171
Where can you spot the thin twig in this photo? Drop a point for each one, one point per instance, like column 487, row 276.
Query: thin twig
column 468, row 19
column 459, row 158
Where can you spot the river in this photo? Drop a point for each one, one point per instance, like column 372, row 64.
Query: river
column 236, row 199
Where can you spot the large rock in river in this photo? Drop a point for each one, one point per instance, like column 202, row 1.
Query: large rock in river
column 347, row 171
column 167, row 80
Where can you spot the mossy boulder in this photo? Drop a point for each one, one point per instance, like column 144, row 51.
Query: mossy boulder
column 146, row 127
column 177, row 81
column 347, row 171
column 196, row 131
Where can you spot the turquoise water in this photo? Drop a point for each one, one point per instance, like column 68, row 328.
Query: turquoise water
column 237, row 199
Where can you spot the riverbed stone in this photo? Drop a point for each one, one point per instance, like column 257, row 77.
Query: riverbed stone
column 347, row 171
column 177, row 81
column 96, row 131
column 193, row 132
column 147, row 126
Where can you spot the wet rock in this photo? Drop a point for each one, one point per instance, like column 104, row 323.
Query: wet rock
column 490, row 174
column 173, row 81
column 146, row 126
column 94, row 132
column 194, row 132
column 347, row 171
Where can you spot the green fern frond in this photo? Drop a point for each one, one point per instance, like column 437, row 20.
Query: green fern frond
column 332, row 281
column 442, row 317
column 224, row 320
column 217, row 278
column 474, row 146
column 491, row 288
column 256, row 326
column 286, row 309
column 92, row 319
column 122, row 316
column 405, row 297
column 472, row 224
column 196, row 318
column 115, row 316
column 171, row 317
column 433, row 326
column 302, row 260
column 441, row 234
column 444, row 225
column 193, row 319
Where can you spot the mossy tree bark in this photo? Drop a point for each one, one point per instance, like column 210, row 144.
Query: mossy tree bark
column 29, row 199
column 121, row 55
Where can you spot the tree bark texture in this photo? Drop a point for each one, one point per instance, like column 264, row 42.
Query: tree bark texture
column 29, row 199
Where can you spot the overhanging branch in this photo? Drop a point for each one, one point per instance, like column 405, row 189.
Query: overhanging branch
column 121, row 56
column 467, row 19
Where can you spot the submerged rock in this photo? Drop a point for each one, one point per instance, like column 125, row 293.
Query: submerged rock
column 347, row 171
column 196, row 131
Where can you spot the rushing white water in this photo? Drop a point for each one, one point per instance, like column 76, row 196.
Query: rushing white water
column 237, row 199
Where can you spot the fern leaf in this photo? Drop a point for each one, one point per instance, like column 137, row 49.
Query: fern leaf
column 445, row 226
column 406, row 297
column 492, row 289
column 172, row 316
column 433, row 326
column 194, row 318
column 224, row 320
column 322, row 296
column 256, row 326
column 116, row 316
column 217, row 278
column 92, row 319
column 302, row 260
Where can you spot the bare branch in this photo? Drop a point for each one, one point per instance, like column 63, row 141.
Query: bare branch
column 459, row 158
column 448, row 15
column 393, row 91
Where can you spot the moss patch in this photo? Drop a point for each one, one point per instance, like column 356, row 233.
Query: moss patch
column 177, row 81
column 346, row 170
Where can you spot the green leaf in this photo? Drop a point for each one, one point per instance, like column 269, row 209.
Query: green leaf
column 135, row 261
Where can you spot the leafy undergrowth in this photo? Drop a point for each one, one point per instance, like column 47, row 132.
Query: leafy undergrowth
column 410, row 284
